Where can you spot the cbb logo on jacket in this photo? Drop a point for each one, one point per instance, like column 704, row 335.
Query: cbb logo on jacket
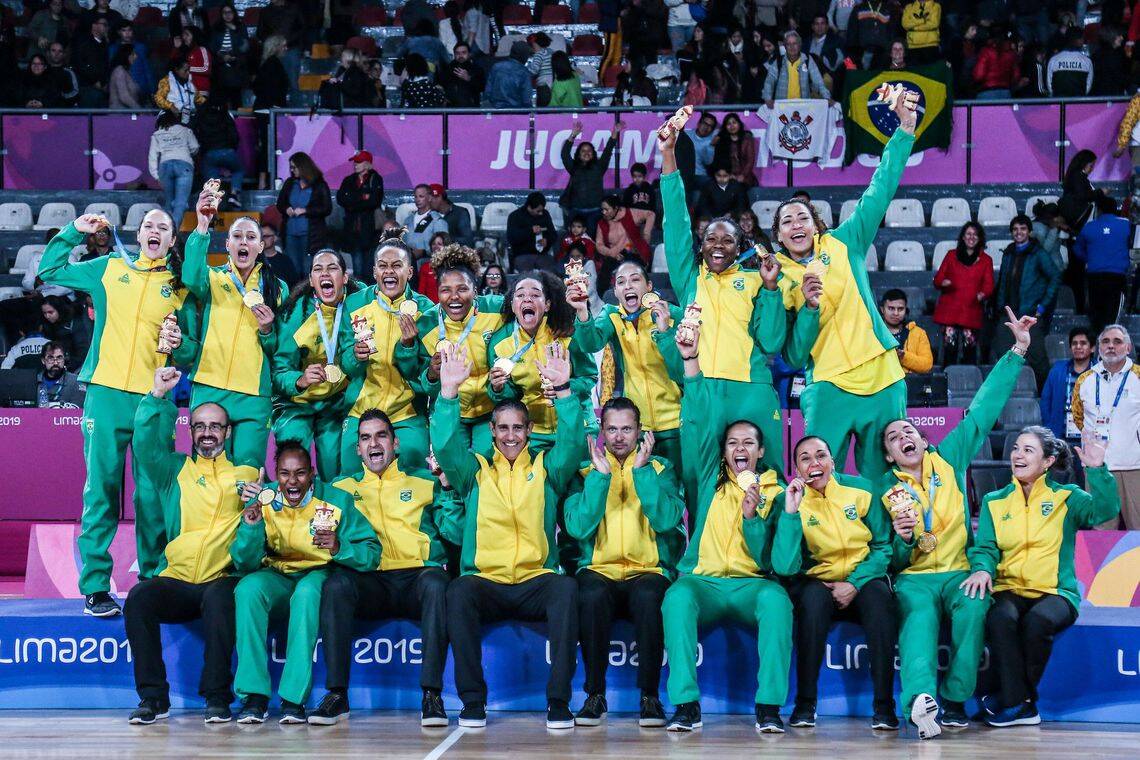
column 850, row 512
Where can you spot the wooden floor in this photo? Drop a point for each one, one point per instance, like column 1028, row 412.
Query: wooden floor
column 101, row 733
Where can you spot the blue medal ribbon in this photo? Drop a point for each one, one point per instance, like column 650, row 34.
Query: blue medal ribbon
column 237, row 281
column 466, row 328
column 329, row 343
column 129, row 257
column 1119, row 393
column 522, row 351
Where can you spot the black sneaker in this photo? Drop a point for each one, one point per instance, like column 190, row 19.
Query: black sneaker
column 558, row 715
column 652, row 712
column 101, row 604
column 292, row 714
column 254, row 709
column 923, row 714
column 432, row 714
column 332, row 708
column 1024, row 714
column 768, row 719
column 148, row 711
column 686, row 718
column 593, row 712
column 803, row 716
column 954, row 715
column 884, row 721
column 218, row 712
column 473, row 715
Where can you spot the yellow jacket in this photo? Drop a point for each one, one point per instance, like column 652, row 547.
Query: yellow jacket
column 1128, row 123
column 299, row 344
column 473, row 398
column 921, row 20
column 917, row 356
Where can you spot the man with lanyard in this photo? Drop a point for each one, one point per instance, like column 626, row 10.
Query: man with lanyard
column 1107, row 397
column 1057, row 393
column 423, row 222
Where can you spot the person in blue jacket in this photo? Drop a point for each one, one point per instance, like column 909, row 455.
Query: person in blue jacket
column 1057, row 393
column 1103, row 245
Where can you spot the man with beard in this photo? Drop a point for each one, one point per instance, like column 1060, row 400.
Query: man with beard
column 57, row 387
column 67, row 82
column 462, row 79
column 201, row 508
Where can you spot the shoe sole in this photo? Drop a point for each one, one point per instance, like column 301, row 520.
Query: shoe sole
column 472, row 722
column 651, row 722
column 320, row 720
column 218, row 719
column 434, row 722
column 559, row 725
column 291, row 720
column 685, row 729
column 954, row 723
column 766, row 729
column 802, row 724
column 141, row 722
column 253, row 719
column 109, row 613
column 1035, row 720
column 883, row 727
column 923, row 714
column 589, row 721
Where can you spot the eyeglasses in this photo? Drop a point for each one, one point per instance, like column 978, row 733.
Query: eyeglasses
column 210, row 427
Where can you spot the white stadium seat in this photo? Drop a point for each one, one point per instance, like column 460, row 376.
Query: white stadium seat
column 24, row 257
column 949, row 212
column 136, row 213
column 847, row 209
column 556, row 216
column 108, row 210
column 10, row 292
column 55, row 215
column 495, row 216
column 995, row 249
column 996, row 211
column 940, row 252
column 872, row 258
column 1033, row 199
column 15, row 216
column 659, row 264
column 905, row 212
column 905, row 256
column 765, row 211
column 823, row 208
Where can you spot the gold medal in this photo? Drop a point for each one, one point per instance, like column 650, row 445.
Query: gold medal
column 815, row 267
column 649, row 299
column 443, row 345
column 410, row 308
column 504, row 365
column 253, row 298
column 333, row 374
column 927, row 542
column 266, row 496
column 746, row 479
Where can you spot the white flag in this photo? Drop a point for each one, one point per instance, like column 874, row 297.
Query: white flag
column 799, row 129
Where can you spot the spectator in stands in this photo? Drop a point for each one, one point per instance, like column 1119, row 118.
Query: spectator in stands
column 493, row 281
column 419, row 90
column 185, row 13
column 680, row 25
column 66, row 80
column 414, row 13
column 271, row 85
column 793, row 75
column 25, row 354
column 1047, row 227
column 583, row 194
column 283, row 18
column 282, row 266
column 640, row 193
column 91, row 60
column 839, row 15
column 921, row 20
column 56, row 387
column 566, row 91
column 171, row 161
column 913, row 350
column 123, row 91
column 576, row 234
column 750, row 229
column 722, row 196
column 177, row 95
column 458, row 220
column 531, row 235
column 704, row 147
column 424, row 41
column 229, row 42
column 48, row 25
column 201, row 64
column 304, row 202
column 55, row 325
column 360, row 195
column 1106, row 402
column 620, row 236
column 540, row 68
column 96, row 244
column 735, row 148
column 100, row 9
column 462, row 79
column 218, row 139
column 31, row 282
column 1103, row 246
column 140, row 69
column 1111, row 65
column 477, row 27
column 1078, row 196
column 348, row 86
column 38, row 88
column 426, row 283
column 1057, row 393
column 694, row 54
column 965, row 281
column 422, row 222
column 897, row 59
column 996, row 70
column 1070, row 72
column 509, row 84
column 1027, row 283
column 826, row 47
column 870, row 32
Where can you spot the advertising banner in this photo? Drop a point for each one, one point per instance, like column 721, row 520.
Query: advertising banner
column 43, row 152
column 121, row 147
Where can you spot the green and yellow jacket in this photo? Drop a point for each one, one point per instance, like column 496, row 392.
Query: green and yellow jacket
column 855, row 349
column 299, row 344
column 628, row 521
column 474, row 403
column 402, row 509
column 508, row 511
column 283, row 540
column 724, row 544
column 235, row 355
column 200, row 498
column 131, row 299
column 1027, row 544
column 944, row 469
column 838, row 535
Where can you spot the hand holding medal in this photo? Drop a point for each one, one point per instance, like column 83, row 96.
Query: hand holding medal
column 169, row 335
column 255, row 496
column 667, row 133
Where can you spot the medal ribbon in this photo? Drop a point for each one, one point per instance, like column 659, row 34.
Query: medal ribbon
column 927, row 512
column 279, row 501
column 386, row 307
column 329, row 344
column 466, row 328
column 522, row 351
column 237, row 281
column 129, row 257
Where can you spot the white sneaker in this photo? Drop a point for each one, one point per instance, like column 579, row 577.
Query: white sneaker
column 924, row 715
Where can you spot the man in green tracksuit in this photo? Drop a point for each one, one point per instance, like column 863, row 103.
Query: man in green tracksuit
column 132, row 296
column 925, row 492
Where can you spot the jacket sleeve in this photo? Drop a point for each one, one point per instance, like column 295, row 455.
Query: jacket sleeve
column 787, row 545
column 1052, row 277
column 917, row 356
column 1124, row 134
column 450, row 515
column 985, row 553
column 769, row 323
column 667, row 346
column 677, row 230
column 247, row 550
column 860, row 228
column 569, row 448
column 874, row 565
column 585, row 509
column 287, row 369
column 770, row 81
column 758, row 532
column 592, row 335
column 56, row 267
column 584, row 373
column 961, row 444
column 359, row 547
column 660, row 495
column 1100, row 503
column 190, row 322
column 801, row 338
column 154, row 434
column 196, row 268
column 459, row 464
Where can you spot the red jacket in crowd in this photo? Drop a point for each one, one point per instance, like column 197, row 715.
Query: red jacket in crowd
column 958, row 304
column 996, row 67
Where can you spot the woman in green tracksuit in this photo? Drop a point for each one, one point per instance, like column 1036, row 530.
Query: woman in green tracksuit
column 726, row 572
column 286, row 546
column 307, row 379
column 535, row 316
column 383, row 368
column 132, row 295
column 461, row 318
column 239, row 301
column 924, row 494
column 855, row 382
column 744, row 321
column 641, row 341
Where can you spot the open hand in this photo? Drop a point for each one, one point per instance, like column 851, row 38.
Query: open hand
column 977, row 585
column 1091, row 450
column 598, row 456
column 556, row 370
column 645, row 449
column 454, row 369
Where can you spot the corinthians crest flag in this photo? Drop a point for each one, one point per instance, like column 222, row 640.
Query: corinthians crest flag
column 799, row 129
column 869, row 124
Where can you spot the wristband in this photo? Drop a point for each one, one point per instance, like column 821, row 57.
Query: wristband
column 564, row 387
column 1019, row 350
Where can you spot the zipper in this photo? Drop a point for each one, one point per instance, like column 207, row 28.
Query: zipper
column 380, row 506
column 514, row 519
column 213, row 520
column 135, row 332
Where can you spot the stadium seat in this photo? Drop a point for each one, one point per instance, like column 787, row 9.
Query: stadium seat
column 905, row 256
column 1066, row 301
column 495, row 216
column 310, row 82
column 136, row 213
column 847, row 209
column 55, row 215
column 1020, row 412
column 556, row 216
column 959, row 399
column 926, row 390
column 366, row 45
column 13, row 292
column 24, row 257
column 949, row 212
column 986, row 480
column 996, row 250
column 940, row 251
column 963, row 378
column 587, row 44
column 15, row 216
column 1033, row 199
column 516, row 14
column 556, row 14
column 823, row 208
column 370, row 16
column 320, row 51
column 1057, row 347
column 109, row 211
column 149, row 18
column 996, row 211
column 659, row 264
column 1026, row 384
column 588, row 13
column 872, row 259
column 905, row 212
column 765, row 211
column 471, row 213
column 404, row 212
column 588, row 74
column 251, row 16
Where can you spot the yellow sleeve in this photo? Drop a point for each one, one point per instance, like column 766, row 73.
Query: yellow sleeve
column 917, row 356
column 1078, row 406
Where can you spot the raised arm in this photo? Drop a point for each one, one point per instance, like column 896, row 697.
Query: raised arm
column 154, row 431
column 676, row 226
column 1102, row 501
column 769, row 323
column 56, row 267
column 196, row 268
column 458, row 463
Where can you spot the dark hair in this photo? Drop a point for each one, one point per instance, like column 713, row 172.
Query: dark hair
column 612, row 200
column 416, row 65
column 303, row 291
column 195, row 35
column 737, row 233
column 633, row 261
column 560, row 66
column 621, row 404
column 724, row 136
column 894, row 294
column 43, row 59
column 960, row 248
column 306, row 168
column 579, row 246
column 271, row 226
column 509, row 405
column 291, row 446
column 1106, row 204
column 543, row 39
column 1020, row 219
column 535, row 200
column 452, row 11
column 560, row 318
column 578, row 219
column 52, row 345
column 722, row 476
column 803, row 196
column 439, row 234
column 820, row 225
column 483, row 286
column 456, row 258
column 578, row 155
column 270, row 287
column 639, row 168
column 1076, row 166
column 62, row 307
column 805, row 439
column 1051, row 446
column 376, row 414
column 166, row 120
column 122, row 57
column 1081, row 330
column 394, row 239
column 883, row 434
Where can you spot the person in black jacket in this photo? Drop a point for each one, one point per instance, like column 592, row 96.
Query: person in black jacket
column 360, row 194
column 38, row 87
column 304, row 202
column 186, row 13
column 531, row 235
column 457, row 219
column 91, row 60
column 462, row 79
column 722, row 195
column 218, row 140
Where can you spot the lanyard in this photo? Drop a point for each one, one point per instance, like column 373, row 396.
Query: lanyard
column 329, row 343
column 931, row 489
column 131, row 258
column 384, row 306
column 1119, row 392
column 634, row 316
column 237, row 280
column 279, row 501
column 466, row 328
column 522, row 351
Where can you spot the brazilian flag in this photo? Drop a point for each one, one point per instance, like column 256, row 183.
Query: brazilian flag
column 869, row 124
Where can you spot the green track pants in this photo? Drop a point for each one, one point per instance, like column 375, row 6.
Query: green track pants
column 698, row 600
column 924, row 600
column 757, row 403
column 412, row 434
column 836, row 416
column 249, row 421
column 309, row 423
column 108, row 425
column 268, row 593
column 477, row 436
